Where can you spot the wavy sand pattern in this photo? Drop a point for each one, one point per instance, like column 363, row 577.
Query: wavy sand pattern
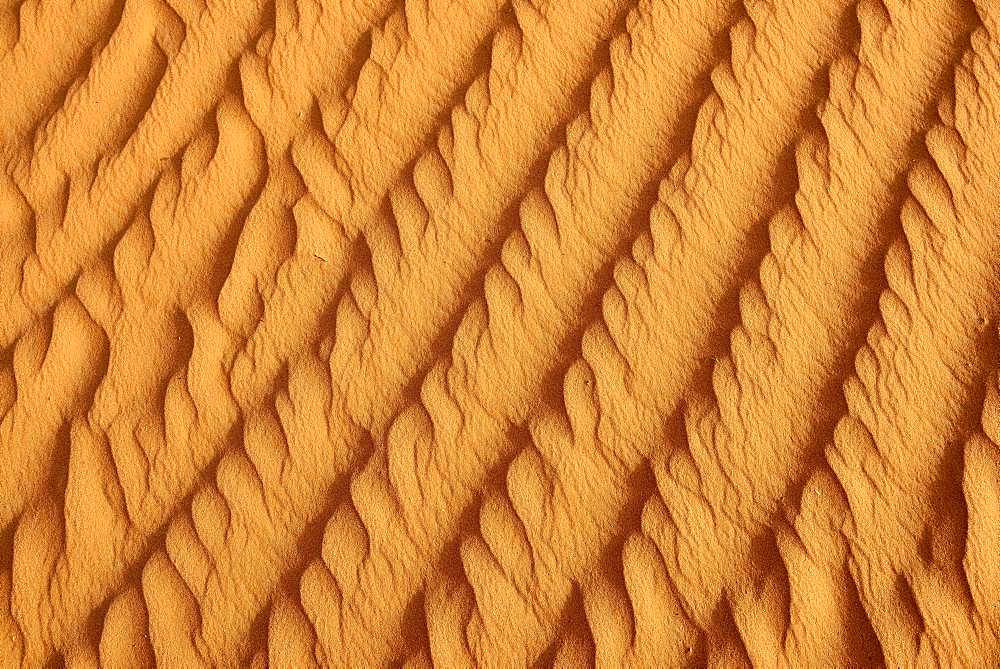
column 500, row 333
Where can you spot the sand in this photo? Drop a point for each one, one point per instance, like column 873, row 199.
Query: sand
column 471, row 333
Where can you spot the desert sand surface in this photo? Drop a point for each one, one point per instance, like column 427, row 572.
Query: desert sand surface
column 500, row 333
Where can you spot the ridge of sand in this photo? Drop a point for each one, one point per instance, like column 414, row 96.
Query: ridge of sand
column 484, row 333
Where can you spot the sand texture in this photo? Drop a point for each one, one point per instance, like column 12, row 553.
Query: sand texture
column 499, row 333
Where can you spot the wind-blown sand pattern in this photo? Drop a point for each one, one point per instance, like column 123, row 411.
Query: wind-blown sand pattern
column 486, row 333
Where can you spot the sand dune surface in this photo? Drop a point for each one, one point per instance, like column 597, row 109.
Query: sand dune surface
column 500, row 333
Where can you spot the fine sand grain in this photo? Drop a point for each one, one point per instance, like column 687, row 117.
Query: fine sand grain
column 499, row 333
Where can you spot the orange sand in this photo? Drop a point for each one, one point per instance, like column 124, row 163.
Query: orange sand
column 480, row 333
